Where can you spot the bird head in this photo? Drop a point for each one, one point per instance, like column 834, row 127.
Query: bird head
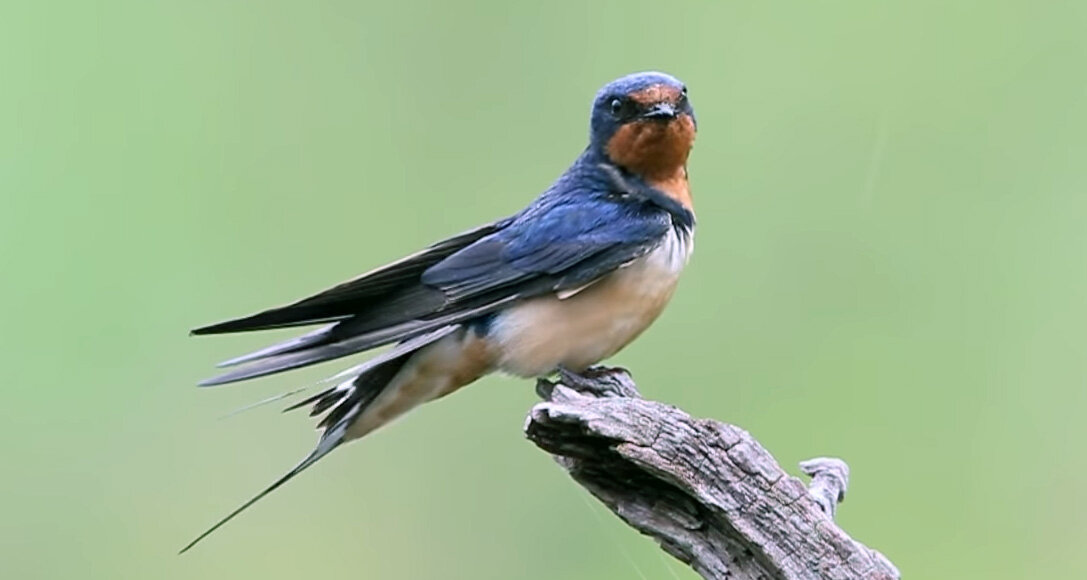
column 644, row 123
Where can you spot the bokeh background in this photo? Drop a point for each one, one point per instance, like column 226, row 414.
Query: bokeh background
column 891, row 267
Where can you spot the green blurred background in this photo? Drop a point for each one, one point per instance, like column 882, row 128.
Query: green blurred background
column 891, row 267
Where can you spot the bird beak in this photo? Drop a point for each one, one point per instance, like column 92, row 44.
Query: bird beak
column 662, row 111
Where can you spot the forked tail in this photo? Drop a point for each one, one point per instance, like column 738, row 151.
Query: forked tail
column 344, row 403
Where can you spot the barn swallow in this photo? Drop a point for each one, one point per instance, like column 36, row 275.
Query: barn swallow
column 559, row 286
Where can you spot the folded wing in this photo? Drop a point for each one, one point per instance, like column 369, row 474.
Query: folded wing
column 557, row 244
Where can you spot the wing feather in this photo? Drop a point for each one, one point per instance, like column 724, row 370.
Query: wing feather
column 349, row 298
column 560, row 243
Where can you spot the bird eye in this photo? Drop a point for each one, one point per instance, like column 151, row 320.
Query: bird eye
column 616, row 106
column 684, row 90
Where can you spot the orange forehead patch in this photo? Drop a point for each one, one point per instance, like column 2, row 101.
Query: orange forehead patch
column 656, row 94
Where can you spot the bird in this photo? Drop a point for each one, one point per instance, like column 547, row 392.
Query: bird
column 559, row 286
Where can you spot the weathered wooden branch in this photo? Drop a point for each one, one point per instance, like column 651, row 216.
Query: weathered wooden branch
column 706, row 491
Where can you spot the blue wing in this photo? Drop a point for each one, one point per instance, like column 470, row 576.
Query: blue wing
column 566, row 239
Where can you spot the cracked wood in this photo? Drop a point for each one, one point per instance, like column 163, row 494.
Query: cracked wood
column 706, row 491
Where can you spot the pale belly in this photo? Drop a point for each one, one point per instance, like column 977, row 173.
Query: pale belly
column 576, row 331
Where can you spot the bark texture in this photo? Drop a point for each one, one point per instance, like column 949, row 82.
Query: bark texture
column 706, row 491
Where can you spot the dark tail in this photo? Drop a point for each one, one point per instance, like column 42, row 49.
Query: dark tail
column 343, row 403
